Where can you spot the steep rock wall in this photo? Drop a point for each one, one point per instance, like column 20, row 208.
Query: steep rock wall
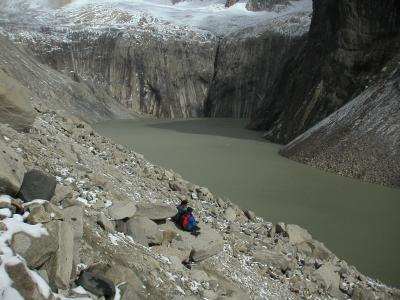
column 348, row 42
column 245, row 69
column 164, row 78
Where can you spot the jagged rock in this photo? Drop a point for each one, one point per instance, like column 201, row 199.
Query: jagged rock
column 121, row 210
column 38, row 215
column 105, row 223
column 24, row 282
column 207, row 244
column 60, row 267
column 36, row 251
column 155, row 212
column 315, row 249
column 37, row 185
column 16, row 109
column 143, row 230
column 11, row 170
column 273, row 259
column 54, row 212
column 230, row 214
column 96, row 284
column 61, row 193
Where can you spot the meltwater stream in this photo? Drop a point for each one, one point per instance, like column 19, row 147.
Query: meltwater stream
column 358, row 221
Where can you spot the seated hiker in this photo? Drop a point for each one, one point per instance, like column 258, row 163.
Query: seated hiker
column 189, row 223
column 181, row 211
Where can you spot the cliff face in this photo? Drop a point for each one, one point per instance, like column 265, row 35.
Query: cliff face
column 361, row 139
column 51, row 89
column 245, row 69
column 348, row 42
column 160, row 77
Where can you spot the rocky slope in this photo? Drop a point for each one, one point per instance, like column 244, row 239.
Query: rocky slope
column 361, row 139
column 33, row 81
column 348, row 42
column 101, row 229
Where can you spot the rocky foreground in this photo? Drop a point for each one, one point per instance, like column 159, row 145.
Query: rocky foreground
column 82, row 217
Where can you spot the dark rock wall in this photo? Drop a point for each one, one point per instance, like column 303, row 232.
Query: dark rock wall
column 245, row 69
column 348, row 42
column 164, row 78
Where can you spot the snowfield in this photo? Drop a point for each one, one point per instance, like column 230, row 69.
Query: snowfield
column 205, row 16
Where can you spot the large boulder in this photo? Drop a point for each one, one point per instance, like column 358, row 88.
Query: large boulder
column 36, row 251
column 11, row 170
column 155, row 212
column 142, row 230
column 201, row 247
column 122, row 210
column 15, row 108
column 328, row 278
column 37, row 185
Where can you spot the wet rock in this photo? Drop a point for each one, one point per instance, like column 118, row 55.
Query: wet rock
column 121, row 210
column 16, row 109
column 155, row 212
column 36, row 251
column 24, row 282
column 37, row 185
column 105, row 223
column 11, row 170
column 143, row 230
column 96, row 284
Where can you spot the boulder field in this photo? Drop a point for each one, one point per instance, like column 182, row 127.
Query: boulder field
column 81, row 217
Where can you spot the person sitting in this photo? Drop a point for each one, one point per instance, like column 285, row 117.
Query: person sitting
column 189, row 222
column 181, row 211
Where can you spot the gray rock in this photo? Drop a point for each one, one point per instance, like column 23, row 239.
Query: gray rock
column 36, row 251
column 182, row 253
column 105, row 223
column 207, row 244
column 273, row 259
column 143, row 230
column 230, row 214
column 62, row 264
column 38, row 215
column 327, row 277
column 121, row 210
column 15, row 108
column 11, row 170
column 179, row 185
column 23, row 282
column 54, row 212
column 155, row 212
column 37, row 185
column 96, row 284
column 250, row 214
column 297, row 234
column 61, row 193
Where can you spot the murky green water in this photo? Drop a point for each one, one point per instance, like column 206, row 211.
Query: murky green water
column 358, row 221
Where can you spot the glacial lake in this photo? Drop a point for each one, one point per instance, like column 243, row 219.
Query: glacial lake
column 358, row 221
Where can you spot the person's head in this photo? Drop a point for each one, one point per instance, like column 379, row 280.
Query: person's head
column 184, row 203
column 189, row 209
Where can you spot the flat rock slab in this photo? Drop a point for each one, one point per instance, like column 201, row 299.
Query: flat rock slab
column 297, row 234
column 122, row 210
column 205, row 245
column 97, row 284
column 143, row 230
column 272, row 258
column 37, row 185
column 155, row 212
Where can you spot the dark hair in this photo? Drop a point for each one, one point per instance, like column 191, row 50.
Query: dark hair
column 189, row 209
column 184, row 202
